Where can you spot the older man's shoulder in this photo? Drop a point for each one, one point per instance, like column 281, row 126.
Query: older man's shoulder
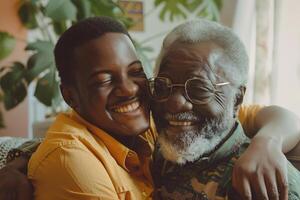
column 294, row 182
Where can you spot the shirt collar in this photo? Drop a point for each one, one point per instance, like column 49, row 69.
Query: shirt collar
column 229, row 146
column 124, row 156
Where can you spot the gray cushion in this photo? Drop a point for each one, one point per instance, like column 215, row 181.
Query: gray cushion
column 6, row 144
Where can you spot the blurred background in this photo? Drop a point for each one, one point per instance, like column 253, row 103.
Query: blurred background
column 30, row 98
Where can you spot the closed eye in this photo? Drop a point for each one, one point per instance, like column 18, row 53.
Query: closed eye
column 102, row 83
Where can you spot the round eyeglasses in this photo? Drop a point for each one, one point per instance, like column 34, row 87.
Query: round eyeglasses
column 197, row 91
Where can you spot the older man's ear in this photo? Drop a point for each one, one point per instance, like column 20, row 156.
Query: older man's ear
column 239, row 97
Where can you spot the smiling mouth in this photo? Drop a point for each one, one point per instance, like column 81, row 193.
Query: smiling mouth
column 127, row 107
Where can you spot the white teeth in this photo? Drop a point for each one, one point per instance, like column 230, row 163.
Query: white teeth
column 180, row 123
column 127, row 108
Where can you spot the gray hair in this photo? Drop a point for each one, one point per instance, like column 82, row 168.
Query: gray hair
column 201, row 30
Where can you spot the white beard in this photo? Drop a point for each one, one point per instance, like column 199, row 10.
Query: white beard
column 191, row 145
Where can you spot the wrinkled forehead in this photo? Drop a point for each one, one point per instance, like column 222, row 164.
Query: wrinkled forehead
column 183, row 59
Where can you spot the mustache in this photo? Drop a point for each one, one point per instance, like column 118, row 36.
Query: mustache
column 190, row 116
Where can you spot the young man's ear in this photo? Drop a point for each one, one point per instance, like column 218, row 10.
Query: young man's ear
column 69, row 96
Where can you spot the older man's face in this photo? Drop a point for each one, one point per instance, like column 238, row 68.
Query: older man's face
column 192, row 120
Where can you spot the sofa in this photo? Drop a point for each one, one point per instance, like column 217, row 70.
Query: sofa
column 6, row 144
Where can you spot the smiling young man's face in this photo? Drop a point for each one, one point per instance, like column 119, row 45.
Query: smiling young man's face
column 109, row 89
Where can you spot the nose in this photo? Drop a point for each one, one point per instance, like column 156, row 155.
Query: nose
column 126, row 88
column 177, row 102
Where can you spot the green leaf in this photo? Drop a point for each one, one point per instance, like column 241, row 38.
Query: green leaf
column 105, row 8
column 111, row 9
column 126, row 21
column 13, row 86
column 210, row 10
column 12, row 77
column 2, row 125
column 46, row 88
column 192, row 6
column 219, row 4
column 57, row 97
column 38, row 63
column 7, row 44
column 15, row 96
column 83, row 8
column 34, row 1
column 61, row 10
column 27, row 12
column 43, row 46
column 59, row 27
column 175, row 9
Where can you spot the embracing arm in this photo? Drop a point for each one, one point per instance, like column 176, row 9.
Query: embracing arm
column 261, row 172
column 14, row 184
column 274, row 122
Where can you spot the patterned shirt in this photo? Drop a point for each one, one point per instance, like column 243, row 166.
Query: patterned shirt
column 209, row 178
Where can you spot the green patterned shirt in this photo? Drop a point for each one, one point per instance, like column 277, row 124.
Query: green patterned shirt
column 209, row 178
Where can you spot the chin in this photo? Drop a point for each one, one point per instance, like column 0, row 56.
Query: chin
column 137, row 127
column 188, row 149
column 193, row 144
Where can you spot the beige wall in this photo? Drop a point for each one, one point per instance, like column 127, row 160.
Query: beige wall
column 16, row 120
column 228, row 11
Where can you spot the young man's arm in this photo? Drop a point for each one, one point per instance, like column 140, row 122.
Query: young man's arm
column 262, row 170
column 14, row 184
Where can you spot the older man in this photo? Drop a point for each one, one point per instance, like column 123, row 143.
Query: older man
column 201, row 81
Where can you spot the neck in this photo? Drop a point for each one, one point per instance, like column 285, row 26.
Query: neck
column 128, row 141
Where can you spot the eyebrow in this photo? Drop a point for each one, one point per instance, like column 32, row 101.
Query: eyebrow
column 135, row 62
column 108, row 71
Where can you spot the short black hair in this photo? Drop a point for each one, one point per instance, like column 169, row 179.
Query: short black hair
column 78, row 34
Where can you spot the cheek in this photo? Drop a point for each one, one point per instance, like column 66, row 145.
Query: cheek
column 97, row 98
column 143, row 93
column 216, row 106
column 156, row 109
column 142, row 85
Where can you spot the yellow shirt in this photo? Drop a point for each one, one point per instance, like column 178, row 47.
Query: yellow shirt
column 80, row 161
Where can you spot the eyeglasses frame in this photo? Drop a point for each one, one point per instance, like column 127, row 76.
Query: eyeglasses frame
column 185, row 88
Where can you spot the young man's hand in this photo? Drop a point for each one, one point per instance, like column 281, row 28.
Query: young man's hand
column 261, row 172
column 14, row 184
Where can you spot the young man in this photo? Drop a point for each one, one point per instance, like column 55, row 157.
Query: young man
column 103, row 148
column 201, row 81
